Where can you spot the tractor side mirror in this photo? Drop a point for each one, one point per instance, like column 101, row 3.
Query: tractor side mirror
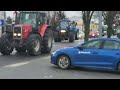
column 39, row 23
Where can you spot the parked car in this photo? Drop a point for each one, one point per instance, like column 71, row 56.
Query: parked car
column 94, row 34
column 104, row 32
column 100, row 53
column 114, row 31
column 118, row 33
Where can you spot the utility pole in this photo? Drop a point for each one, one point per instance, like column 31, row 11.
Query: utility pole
column 100, row 23
column 4, row 20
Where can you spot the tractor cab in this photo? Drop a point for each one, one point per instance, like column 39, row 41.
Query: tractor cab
column 64, row 24
column 34, row 19
column 29, row 22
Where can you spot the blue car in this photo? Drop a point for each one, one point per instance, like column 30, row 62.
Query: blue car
column 101, row 53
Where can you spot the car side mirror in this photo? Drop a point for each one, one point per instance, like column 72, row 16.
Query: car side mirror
column 81, row 48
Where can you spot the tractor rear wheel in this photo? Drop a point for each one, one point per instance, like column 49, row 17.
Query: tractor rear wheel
column 71, row 36
column 47, row 41
column 6, row 44
column 34, row 45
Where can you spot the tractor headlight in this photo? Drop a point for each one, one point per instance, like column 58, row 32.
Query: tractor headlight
column 19, row 34
column 15, row 34
column 63, row 31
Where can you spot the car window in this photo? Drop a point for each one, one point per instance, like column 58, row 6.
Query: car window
column 92, row 45
column 111, row 45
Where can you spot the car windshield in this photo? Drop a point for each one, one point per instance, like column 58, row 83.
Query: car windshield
column 28, row 18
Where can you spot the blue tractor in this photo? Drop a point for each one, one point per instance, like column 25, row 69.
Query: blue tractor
column 66, row 30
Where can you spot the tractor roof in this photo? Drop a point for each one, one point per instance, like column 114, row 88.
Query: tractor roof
column 64, row 20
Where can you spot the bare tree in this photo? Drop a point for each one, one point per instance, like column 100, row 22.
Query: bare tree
column 87, row 15
column 109, row 17
column 61, row 14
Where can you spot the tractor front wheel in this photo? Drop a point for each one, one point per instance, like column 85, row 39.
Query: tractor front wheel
column 77, row 36
column 6, row 44
column 57, row 37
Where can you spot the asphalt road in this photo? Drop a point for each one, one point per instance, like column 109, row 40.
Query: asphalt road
column 23, row 66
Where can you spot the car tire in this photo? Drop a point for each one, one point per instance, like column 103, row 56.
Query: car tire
column 62, row 60
column 118, row 67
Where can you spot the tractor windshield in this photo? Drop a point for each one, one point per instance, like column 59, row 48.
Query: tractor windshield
column 28, row 18
column 64, row 24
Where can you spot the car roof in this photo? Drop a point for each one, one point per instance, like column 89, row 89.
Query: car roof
column 115, row 39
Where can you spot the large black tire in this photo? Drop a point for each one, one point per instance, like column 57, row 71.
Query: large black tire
column 118, row 68
column 71, row 36
column 63, row 62
column 47, row 41
column 6, row 44
column 20, row 49
column 33, row 41
column 77, row 36
column 57, row 37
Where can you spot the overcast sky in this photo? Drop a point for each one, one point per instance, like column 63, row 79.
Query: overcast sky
column 9, row 13
column 69, row 13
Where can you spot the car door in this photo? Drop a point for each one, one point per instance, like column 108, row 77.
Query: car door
column 110, row 54
column 89, row 55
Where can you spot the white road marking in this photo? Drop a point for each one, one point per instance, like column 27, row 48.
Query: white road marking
column 48, row 76
column 23, row 63
column 17, row 64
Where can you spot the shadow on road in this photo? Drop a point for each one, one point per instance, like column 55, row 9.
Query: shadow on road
column 90, row 71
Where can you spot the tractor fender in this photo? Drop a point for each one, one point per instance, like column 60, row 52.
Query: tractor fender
column 43, row 29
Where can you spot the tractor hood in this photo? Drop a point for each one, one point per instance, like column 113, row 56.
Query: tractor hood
column 24, row 29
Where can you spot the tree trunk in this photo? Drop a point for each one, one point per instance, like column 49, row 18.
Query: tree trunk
column 109, row 31
column 87, row 30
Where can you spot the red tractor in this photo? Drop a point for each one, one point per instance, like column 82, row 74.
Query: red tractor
column 31, row 33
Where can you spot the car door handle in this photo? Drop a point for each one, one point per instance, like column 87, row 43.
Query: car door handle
column 117, row 53
column 95, row 53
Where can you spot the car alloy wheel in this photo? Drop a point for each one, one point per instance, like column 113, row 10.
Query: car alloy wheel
column 63, row 62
